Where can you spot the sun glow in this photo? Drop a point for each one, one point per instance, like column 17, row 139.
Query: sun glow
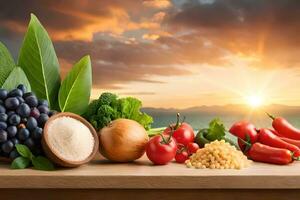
column 254, row 101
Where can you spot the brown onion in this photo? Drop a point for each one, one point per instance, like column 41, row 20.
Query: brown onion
column 123, row 140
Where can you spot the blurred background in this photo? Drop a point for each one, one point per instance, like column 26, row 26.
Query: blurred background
column 233, row 59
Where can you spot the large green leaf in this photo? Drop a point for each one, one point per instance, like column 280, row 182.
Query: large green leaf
column 16, row 77
column 75, row 91
column 39, row 62
column 7, row 63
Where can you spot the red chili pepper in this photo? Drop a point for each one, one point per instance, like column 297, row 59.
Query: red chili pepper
column 245, row 131
column 263, row 153
column 265, row 136
column 275, row 132
column 291, row 141
column 284, row 128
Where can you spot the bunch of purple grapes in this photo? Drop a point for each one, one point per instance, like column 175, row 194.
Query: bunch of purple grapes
column 22, row 119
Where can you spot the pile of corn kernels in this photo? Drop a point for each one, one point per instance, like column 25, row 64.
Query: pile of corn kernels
column 218, row 155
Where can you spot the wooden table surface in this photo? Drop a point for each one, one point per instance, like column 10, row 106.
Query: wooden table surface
column 143, row 175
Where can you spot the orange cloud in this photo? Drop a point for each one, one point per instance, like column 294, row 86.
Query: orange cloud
column 150, row 36
column 157, row 3
column 116, row 22
column 14, row 26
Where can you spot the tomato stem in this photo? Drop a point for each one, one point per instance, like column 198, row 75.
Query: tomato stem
column 181, row 148
column 168, row 140
column 171, row 134
column 183, row 120
column 164, row 141
column 178, row 121
column 271, row 116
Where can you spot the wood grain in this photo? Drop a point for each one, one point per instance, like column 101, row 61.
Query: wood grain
column 108, row 194
column 143, row 175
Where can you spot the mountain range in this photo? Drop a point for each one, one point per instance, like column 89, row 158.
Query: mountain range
column 200, row 116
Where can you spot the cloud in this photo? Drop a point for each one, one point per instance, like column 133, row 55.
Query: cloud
column 150, row 36
column 138, row 41
column 117, row 63
column 263, row 32
column 77, row 19
column 157, row 3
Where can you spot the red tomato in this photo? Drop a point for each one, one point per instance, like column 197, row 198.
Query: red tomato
column 182, row 132
column 181, row 157
column 161, row 149
column 192, row 148
column 243, row 128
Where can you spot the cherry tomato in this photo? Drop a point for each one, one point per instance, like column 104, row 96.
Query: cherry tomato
column 192, row 148
column 161, row 149
column 182, row 132
column 181, row 157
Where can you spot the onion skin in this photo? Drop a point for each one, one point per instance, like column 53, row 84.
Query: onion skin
column 123, row 140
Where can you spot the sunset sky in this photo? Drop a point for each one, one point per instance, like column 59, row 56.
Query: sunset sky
column 179, row 53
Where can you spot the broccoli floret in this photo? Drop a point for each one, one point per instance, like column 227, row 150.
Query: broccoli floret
column 92, row 109
column 108, row 108
column 105, row 114
column 107, row 98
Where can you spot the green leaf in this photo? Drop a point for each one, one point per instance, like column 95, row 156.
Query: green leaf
column 7, row 63
column 75, row 91
column 216, row 130
column 42, row 163
column 39, row 62
column 16, row 77
column 24, row 151
column 130, row 109
column 20, row 163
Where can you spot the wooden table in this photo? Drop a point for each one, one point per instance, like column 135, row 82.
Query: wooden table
column 141, row 180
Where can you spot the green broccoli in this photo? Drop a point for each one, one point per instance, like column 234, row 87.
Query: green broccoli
column 107, row 98
column 92, row 109
column 109, row 107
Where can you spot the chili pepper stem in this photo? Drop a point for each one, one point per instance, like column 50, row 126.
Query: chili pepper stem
column 294, row 157
column 271, row 116
column 247, row 143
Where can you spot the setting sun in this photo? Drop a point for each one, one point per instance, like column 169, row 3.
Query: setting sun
column 254, row 101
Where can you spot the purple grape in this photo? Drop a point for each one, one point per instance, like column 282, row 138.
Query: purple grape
column 11, row 131
column 15, row 93
column 23, row 110
column 3, row 136
column 7, row 147
column 14, row 120
column 3, row 125
column 35, row 113
column 2, row 109
column 42, row 119
column 31, row 124
column 3, row 117
column 32, row 101
column 23, row 134
column 3, row 94
column 22, row 88
column 11, row 103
